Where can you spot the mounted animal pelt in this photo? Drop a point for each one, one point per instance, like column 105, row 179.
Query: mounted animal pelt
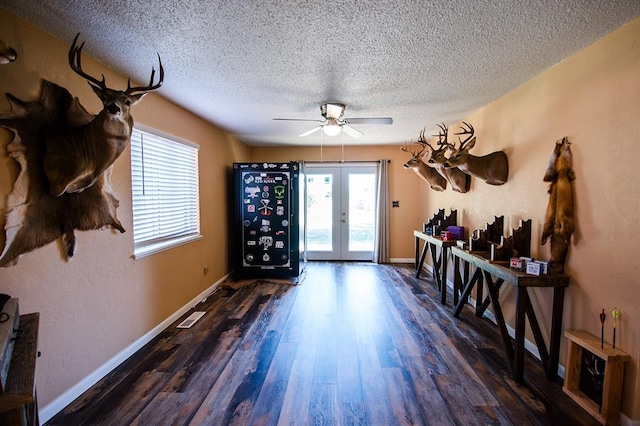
column 559, row 220
column 66, row 156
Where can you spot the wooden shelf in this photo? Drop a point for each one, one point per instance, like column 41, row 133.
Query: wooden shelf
column 609, row 412
column 18, row 404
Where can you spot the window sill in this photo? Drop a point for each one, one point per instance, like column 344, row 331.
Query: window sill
column 150, row 249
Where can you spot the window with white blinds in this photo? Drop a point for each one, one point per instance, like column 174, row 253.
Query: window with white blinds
column 166, row 204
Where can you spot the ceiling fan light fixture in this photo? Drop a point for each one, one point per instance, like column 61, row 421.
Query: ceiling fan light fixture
column 331, row 129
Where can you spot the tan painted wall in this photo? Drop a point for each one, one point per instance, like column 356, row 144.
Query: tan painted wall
column 593, row 98
column 103, row 300
column 404, row 185
column 99, row 303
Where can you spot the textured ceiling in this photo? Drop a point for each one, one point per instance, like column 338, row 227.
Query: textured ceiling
column 241, row 63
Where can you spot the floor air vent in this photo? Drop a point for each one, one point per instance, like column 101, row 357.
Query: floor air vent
column 192, row 319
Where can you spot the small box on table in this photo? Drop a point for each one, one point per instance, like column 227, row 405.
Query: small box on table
column 457, row 232
column 517, row 264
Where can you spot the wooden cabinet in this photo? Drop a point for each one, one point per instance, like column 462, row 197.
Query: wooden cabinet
column 18, row 402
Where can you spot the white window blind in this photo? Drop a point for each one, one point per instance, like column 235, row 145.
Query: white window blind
column 166, row 204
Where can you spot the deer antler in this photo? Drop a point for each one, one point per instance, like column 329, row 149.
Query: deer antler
column 75, row 61
column 468, row 131
column 131, row 90
column 442, row 137
column 423, row 141
column 413, row 153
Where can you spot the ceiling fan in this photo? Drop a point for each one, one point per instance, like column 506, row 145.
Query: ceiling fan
column 334, row 122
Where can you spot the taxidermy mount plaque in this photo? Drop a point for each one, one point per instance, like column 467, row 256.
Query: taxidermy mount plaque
column 65, row 156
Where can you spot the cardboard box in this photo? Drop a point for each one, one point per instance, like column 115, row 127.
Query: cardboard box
column 534, row 268
column 545, row 266
column 457, row 232
column 517, row 264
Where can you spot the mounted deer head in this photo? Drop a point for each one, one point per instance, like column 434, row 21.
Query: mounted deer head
column 34, row 217
column 76, row 156
column 460, row 181
column 492, row 168
column 66, row 156
column 429, row 174
column 7, row 54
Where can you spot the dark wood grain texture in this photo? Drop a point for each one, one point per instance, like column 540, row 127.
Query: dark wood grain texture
column 353, row 344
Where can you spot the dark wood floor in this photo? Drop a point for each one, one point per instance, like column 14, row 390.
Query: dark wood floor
column 353, row 344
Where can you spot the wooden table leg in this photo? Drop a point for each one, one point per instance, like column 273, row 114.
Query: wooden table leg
column 521, row 305
column 443, row 270
column 425, row 248
column 467, row 291
column 456, row 279
column 537, row 333
column 555, row 334
column 480, row 294
column 436, row 265
column 497, row 311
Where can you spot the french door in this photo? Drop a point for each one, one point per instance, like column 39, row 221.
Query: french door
column 340, row 211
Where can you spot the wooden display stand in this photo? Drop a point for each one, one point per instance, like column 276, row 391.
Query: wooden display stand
column 609, row 412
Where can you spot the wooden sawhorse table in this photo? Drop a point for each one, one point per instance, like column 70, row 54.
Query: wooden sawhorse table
column 494, row 276
column 439, row 259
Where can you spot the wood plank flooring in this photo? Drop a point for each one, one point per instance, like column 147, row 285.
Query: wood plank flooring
column 353, row 344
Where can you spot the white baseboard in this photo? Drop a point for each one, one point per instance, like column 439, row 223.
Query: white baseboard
column 58, row 404
column 402, row 260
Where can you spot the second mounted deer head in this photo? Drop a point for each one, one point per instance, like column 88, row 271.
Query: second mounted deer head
column 75, row 157
column 492, row 168
column 460, row 181
column 429, row 174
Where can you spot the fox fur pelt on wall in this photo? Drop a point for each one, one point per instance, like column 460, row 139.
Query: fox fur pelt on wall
column 559, row 220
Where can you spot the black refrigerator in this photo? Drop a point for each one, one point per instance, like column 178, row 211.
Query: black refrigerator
column 268, row 220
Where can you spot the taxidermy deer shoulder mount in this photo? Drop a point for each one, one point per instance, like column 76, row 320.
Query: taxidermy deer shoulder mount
column 435, row 180
column 460, row 181
column 65, row 156
column 492, row 168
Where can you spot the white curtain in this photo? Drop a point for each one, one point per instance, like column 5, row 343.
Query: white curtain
column 381, row 247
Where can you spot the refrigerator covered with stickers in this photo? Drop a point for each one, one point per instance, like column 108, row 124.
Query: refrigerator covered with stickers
column 268, row 220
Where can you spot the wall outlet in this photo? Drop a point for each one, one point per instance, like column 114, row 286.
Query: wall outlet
column 205, row 270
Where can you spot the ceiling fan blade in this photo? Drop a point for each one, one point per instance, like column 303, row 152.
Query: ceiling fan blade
column 308, row 132
column 351, row 131
column 298, row 119
column 373, row 120
column 335, row 110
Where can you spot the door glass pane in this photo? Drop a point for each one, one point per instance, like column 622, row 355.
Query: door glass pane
column 319, row 207
column 362, row 217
